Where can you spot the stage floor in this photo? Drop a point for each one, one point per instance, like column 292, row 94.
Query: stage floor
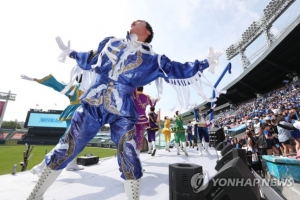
column 102, row 181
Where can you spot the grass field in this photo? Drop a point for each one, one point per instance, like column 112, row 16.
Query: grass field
column 13, row 154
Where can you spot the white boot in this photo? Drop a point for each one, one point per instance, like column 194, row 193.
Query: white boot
column 47, row 177
column 132, row 189
column 206, row 148
column 181, row 146
column 72, row 166
column 37, row 170
column 193, row 143
column 200, row 149
column 149, row 148
column 184, row 148
column 168, row 146
column 154, row 149
column 177, row 147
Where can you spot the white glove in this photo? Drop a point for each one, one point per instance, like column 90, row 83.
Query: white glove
column 213, row 59
column 66, row 49
column 26, row 78
column 61, row 44
column 158, row 98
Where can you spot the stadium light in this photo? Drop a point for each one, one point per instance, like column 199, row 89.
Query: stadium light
column 271, row 13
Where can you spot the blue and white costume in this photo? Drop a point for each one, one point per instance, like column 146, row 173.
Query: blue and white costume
column 121, row 66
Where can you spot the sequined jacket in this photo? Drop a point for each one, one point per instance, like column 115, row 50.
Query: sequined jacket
column 122, row 65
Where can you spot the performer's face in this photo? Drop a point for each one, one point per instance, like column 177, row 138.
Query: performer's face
column 138, row 27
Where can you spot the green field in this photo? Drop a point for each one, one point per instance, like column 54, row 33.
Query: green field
column 13, row 154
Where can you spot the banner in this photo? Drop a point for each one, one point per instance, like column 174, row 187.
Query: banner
column 2, row 103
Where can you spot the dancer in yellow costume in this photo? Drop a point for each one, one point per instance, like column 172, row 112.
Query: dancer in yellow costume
column 167, row 132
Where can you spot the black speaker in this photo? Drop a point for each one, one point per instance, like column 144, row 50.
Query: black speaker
column 87, row 160
column 225, row 159
column 241, row 153
column 232, row 183
column 233, row 153
column 180, row 176
column 227, row 148
column 216, row 135
column 219, row 146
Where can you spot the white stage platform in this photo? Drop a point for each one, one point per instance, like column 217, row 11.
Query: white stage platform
column 102, row 181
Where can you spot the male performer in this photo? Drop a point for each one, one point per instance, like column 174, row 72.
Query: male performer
column 73, row 94
column 202, row 130
column 141, row 101
column 151, row 130
column 122, row 65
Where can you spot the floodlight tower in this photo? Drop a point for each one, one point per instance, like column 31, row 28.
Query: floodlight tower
column 271, row 13
column 7, row 97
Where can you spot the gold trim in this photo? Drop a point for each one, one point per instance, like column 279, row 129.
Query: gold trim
column 45, row 78
column 129, row 175
column 131, row 66
column 115, row 52
column 108, row 104
column 93, row 101
column 71, row 142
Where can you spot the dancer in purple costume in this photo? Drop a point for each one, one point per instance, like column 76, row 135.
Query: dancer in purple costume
column 151, row 130
column 141, row 101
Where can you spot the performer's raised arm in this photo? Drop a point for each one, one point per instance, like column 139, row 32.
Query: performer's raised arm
column 48, row 81
column 85, row 60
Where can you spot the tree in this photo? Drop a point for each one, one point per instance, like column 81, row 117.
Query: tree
column 10, row 124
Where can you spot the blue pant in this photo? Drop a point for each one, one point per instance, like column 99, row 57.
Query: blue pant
column 86, row 123
column 196, row 132
column 190, row 137
column 203, row 132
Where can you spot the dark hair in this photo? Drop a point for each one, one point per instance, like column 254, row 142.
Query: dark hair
column 249, row 134
column 140, row 89
column 152, row 108
column 165, row 117
column 79, row 78
column 149, row 28
column 189, row 122
column 177, row 112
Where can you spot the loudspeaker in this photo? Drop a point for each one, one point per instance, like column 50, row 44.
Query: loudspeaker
column 241, row 153
column 232, row 183
column 180, row 176
column 227, row 148
column 220, row 146
column 216, row 135
column 233, row 153
column 225, row 159
column 87, row 160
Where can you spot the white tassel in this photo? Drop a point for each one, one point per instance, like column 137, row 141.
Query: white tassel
column 158, row 61
column 73, row 75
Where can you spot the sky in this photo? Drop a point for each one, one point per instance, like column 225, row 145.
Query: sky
column 183, row 31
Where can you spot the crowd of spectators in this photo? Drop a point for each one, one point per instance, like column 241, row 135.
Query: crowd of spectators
column 264, row 118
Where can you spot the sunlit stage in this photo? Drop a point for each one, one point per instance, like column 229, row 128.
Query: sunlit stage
column 102, row 181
